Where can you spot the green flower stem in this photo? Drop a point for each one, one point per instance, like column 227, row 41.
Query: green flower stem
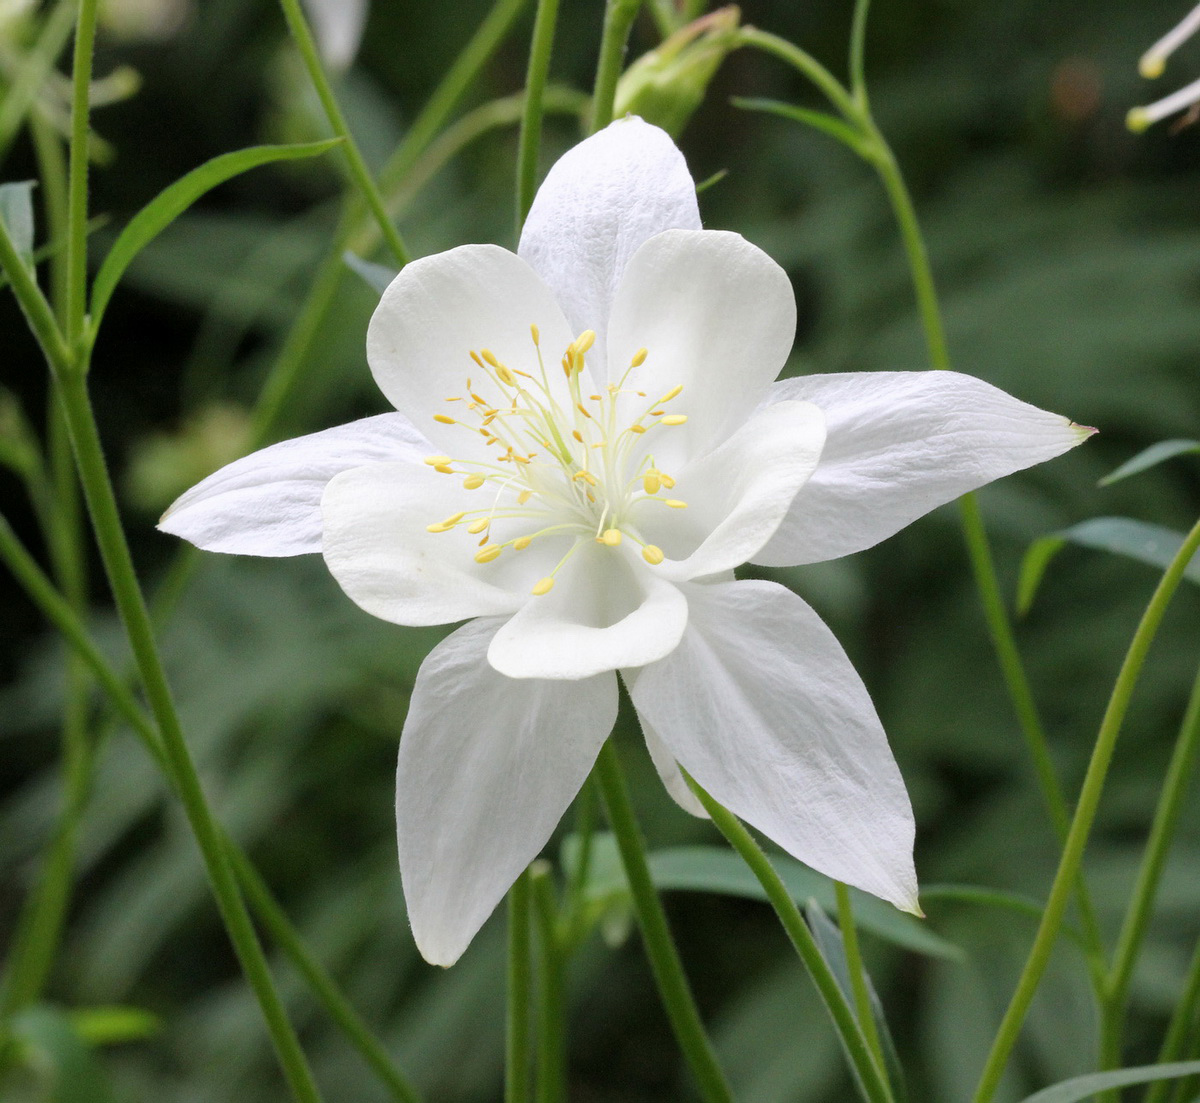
column 77, row 172
column 618, row 22
column 552, row 1041
column 858, row 975
column 858, row 48
column 852, row 1035
column 322, row 985
column 807, row 65
column 540, row 49
column 664, row 958
column 1183, row 1020
column 359, row 173
column 517, row 1060
column 34, row 306
column 585, row 828
column 20, row 96
column 1085, row 813
column 1137, row 918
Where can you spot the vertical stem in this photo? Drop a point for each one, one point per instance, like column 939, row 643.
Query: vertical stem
column 618, row 22
column 858, row 49
column 552, row 1048
column 531, row 118
column 1085, row 814
column 858, row 975
column 517, row 1056
column 77, row 178
column 664, row 958
column 585, row 826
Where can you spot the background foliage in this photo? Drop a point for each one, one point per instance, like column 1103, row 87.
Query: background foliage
column 1068, row 256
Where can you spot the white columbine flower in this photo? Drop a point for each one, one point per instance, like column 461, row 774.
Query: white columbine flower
column 589, row 440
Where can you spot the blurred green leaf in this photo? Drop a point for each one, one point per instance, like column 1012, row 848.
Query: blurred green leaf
column 1151, row 457
column 170, row 203
column 102, row 1026
column 1081, row 1087
column 54, row 1047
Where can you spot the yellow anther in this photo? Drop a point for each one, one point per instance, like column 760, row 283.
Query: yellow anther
column 583, row 410
column 637, row 428
column 490, row 357
column 444, row 469
column 535, row 333
column 445, row 419
column 595, row 398
column 455, row 398
column 476, row 527
column 522, row 459
column 674, row 503
column 666, row 479
column 524, row 496
column 487, row 553
column 544, row 586
column 473, row 482
column 479, row 398
column 585, row 340
column 453, row 519
column 1152, row 66
column 651, row 482
column 475, row 357
column 505, row 376
column 651, row 553
column 657, row 413
column 586, row 476
column 438, row 461
column 437, row 526
column 611, row 537
column 674, row 419
column 577, row 435
column 522, row 542
column 639, row 358
column 672, row 393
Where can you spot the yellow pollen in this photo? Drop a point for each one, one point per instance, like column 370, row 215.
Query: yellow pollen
column 475, row 357
column 657, row 413
column 444, row 469
column 651, row 483
column 651, row 553
column 479, row 398
column 637, row 428
column 456, row 398
column 476, row 527
column 490, row 357
column 437, row 461
column 672, row 393
column 535, row 333
column 473, row 482
column 453, row 519
column 666, row 480
column 543, row 587
column 577, row 435
column 585, row 341
column 675, row 503
column 487, row 553
column 611, row 537
column 586, row 476
column 674, row 419
column 505, row 376
column 582, row 409
column 437, row 526
column 639, row 358
column 522, row 542
column 445, row 419
column 595, row 398
column 524, row 496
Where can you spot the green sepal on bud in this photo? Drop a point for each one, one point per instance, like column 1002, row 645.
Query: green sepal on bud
column 666, row 85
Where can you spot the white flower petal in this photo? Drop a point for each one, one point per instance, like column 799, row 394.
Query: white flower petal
column 761, row 706
column 718, row 317
column 441, row 308
column 664, row 762
column 487, row 767
column 898, row 444
column 377, row 547
column 736, row 496
column 606, row 611
column 338, row 29
column 597, row 205
column 269, row 503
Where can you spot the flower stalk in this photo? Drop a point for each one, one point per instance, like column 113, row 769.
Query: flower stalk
column 517, row 1063
column 529, row 142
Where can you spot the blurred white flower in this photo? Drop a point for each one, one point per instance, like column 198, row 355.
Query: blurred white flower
column 338, row 28
column 600, row 444
column 155, row 20
column 1152, row 65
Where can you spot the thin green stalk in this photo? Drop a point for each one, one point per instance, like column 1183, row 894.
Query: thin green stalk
column 517, row 1061
column 538, row 72
column 848, row 1029
column 805, row 64
column 77, row 170
column 552, row 1042
column 1137, row 918
column 1085, row 814
column 1183, row 1018
column 858, row 49
column 858, row 976
column 618, row 22
column 664, row 958
column 322, row 985
column 356, row 165
column 52, row 172
column 585, row 829
column 34, row 306
column 36, row 65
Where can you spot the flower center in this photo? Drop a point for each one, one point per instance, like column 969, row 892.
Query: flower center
column 566, row 470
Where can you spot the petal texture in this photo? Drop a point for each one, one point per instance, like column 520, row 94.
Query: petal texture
column 439, row 309
column 269, row 503
column 487, row 767
column 898, row 444
column 596, row 207
column 761, row 706
column 606, row 611
column 718, row 317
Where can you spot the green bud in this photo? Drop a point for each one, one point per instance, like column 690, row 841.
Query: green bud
column 666, row 85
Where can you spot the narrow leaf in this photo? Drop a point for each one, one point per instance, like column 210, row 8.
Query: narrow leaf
column 53, row 1048
column 1151, row 457
column 819, row 120
column 16, row 212
column 100, row 1026
column 172, row 201
column 377, row 276
column 1082, row 1087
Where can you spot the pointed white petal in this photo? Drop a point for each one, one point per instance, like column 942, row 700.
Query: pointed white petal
column 664, row 762
column 338, row 28
column 377, row 546
column 718, row 317
column 736, row 496
column 269, row 503
column 487, row 767
column 606, row 611
column 597, row 205
column 761, row 706
column 441, row 308
column 898, row 444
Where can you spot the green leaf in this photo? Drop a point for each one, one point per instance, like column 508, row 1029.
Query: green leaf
column 16, row 212
column 993, row 898
column 1081, row 1087
column 53, row 1047
column 101, row 1026
column 377, row 276
column 819, row 120
column 1151, row 457
column 1153, row 545
column 172, row 201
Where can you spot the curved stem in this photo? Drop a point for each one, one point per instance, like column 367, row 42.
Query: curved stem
column 618, row 22
column 858, row 975
column 805, row 64
column 517, row 1057
column 858, row 49
column 664, row 958
column 1085, row 814
column 531, row 117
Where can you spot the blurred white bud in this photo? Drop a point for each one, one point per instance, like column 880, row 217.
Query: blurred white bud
column 338, row 27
